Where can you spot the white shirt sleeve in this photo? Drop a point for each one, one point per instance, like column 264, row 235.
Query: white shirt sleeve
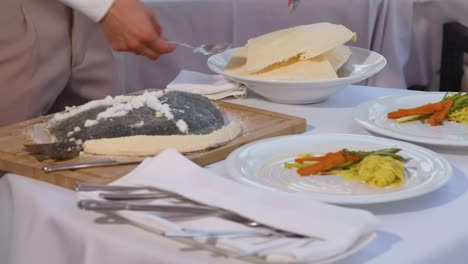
column 94, row 9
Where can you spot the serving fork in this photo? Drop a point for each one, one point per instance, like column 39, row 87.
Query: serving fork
column 206, row 49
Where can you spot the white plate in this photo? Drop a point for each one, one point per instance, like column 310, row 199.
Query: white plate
column 372, row 115
column 361, row 65
column 261, row 164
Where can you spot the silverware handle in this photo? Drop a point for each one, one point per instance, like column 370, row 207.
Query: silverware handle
column 133, row 196
column 209, row 233
column 96, row 205
column 70, row 166
column 90, row 187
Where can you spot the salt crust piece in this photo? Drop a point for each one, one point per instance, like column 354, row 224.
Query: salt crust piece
column 152, row 145
column 306, row 41
column 317, row 68
column 338, row 56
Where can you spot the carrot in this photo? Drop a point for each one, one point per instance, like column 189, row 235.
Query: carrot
column 437, row 117
column 302, row 160
column 352, row 158
column 332, row 160
column 420, row 110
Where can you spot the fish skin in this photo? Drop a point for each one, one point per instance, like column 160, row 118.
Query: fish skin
column 201, row 115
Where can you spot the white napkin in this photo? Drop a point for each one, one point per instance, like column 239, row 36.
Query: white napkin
column 212, row 86
column 336, row 229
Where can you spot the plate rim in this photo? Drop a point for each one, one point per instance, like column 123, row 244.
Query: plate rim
column 362, row 119
column 348, row 79
column 345, row 199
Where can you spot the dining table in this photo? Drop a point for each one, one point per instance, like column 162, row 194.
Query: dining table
column 41, row 223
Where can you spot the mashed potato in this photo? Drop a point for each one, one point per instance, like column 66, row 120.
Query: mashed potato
column 378, row 171
column 459, row 116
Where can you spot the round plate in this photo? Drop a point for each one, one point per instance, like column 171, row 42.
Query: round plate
column 261, row 164
column 372, row 115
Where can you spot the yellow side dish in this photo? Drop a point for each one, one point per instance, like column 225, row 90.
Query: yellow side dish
column 460, row 115
column 378, row 171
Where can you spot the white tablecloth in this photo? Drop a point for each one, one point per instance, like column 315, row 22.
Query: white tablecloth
column 39, row 222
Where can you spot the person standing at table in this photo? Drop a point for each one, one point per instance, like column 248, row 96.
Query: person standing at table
column 57, row 53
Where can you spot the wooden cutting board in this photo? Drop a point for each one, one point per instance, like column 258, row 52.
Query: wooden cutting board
column 256, row 124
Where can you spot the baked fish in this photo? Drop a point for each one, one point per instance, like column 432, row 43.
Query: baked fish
column 148, row 113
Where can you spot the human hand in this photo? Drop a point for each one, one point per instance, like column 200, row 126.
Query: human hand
column 131, row 26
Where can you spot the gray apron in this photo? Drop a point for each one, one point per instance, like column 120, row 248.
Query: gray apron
column 50, row 57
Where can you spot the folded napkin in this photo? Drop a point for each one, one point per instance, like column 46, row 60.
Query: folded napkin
column 332, row 229
column 212, row 86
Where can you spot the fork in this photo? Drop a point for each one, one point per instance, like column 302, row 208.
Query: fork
column 206, row 49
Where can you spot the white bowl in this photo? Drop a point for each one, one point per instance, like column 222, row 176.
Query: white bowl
column 361, row 65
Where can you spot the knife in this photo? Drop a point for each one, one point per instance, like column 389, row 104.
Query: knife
column 82, row 165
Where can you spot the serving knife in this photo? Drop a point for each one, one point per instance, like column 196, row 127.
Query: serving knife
column 82, row 165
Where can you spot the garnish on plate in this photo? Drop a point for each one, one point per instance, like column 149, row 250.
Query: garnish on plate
column 380, row 168
column 453, row 107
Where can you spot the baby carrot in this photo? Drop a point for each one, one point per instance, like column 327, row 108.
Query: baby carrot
column 319, row 158
column 332, row 160
column 352, row 158
column 420, row 110
column 437, row 117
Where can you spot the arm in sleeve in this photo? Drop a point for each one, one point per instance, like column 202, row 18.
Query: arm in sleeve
column 94, row 9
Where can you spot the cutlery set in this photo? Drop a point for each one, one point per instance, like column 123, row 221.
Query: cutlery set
column 118, row 197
